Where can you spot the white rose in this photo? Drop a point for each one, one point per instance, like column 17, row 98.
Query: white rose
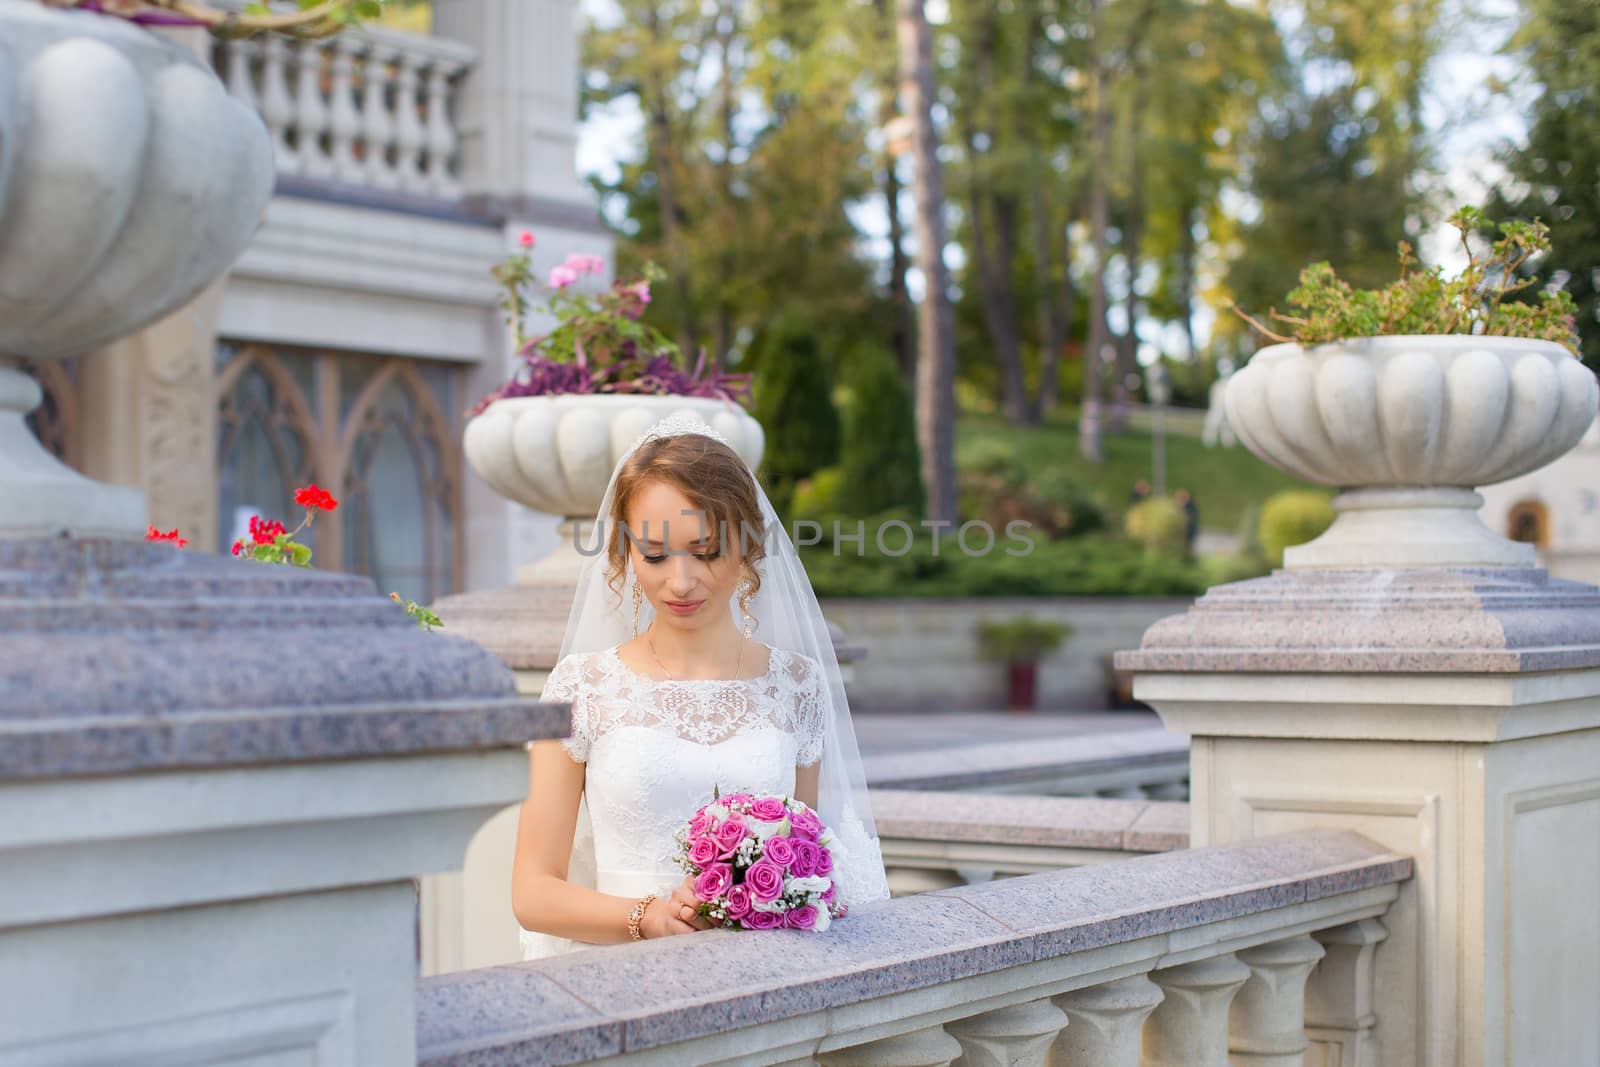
column 814, row 884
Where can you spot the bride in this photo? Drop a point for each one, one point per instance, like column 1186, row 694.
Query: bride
column 674, row 696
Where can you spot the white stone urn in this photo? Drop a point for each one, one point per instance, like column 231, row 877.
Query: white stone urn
column 1406, row 428
column 129, row 180
column 555, row 454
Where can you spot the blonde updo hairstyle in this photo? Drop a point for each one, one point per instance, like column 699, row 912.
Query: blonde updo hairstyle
column 717, row 483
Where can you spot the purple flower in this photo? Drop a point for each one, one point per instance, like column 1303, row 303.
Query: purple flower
column 806, row 854
column 738, row 902
column 806, row 826
column 765, row 880
column 728, row 836
column 714, row 881
column 779, row 850
column 769, row 809
column 702, row 852
column 762, row 920
column 802, row 918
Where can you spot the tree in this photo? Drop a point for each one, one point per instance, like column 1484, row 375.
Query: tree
column 1556, row 176
column 795, row 407
column 880, row 460
column 936, row 402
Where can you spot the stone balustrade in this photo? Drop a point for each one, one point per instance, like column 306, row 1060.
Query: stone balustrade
column 1137, row 764
column 371, row 107
column 1252, row 953
column 934, row 840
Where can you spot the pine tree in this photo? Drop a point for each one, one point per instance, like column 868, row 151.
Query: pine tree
column 881, row 462
column 795, row 407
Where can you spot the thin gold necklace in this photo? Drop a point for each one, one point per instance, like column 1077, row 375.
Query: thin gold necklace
column 650, row 643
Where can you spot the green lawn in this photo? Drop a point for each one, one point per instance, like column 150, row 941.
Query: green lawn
column 1224, row 481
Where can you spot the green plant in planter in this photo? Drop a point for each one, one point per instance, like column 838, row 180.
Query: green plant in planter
column 1424, row 301
column 1024, row 639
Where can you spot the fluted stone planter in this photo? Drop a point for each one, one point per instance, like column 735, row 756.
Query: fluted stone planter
column 1406, row 428
column 129, row 180
column 555, row 454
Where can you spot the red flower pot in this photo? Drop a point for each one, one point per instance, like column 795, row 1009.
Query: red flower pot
column 1022, row 683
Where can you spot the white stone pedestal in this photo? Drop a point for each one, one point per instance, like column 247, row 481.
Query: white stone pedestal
column 1451, row 716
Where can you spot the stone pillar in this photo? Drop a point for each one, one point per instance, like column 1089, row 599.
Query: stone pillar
column 149, row 417
column 1267, row 1022
column 930, row 1047
column 1190, row 1025
column 1016, row 1036
column 1340, row 1011
column 1106, row 1023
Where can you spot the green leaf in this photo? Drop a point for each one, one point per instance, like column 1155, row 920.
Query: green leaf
column 301, row 554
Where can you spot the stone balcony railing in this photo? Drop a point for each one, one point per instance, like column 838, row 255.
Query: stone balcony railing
column 1136, row 764
column 1260, row 951
column 940, row 840
column 373, row 107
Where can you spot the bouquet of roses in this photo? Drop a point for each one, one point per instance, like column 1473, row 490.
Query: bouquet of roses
column 760, row 862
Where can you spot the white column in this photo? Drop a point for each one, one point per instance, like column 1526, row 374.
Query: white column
column 1267, row 1022
column 1016, row 1036
column 377, row 126
column 409, row 134
column 1190, row 1026
column 1106, row 1023
column 311, row 112
column 277, row 105
column 344, row 121
column 1340, row 1005
column 931, row 1047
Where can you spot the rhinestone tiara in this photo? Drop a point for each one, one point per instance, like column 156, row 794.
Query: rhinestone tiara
column 678, row 424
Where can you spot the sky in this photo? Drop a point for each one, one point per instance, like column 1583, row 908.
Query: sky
column 1470, row 123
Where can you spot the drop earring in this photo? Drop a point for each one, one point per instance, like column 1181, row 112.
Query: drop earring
column 746, row 591
column 638, row 599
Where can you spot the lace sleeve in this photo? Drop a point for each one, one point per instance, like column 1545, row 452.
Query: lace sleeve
column 564, row 686
column 811, row 715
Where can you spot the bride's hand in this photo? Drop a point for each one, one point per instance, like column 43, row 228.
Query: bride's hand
column 666, row 917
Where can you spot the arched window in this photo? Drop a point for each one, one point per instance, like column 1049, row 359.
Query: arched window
column 1529, row 521
column 376, row 431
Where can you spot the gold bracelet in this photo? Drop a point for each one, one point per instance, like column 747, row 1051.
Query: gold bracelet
column 636, row 916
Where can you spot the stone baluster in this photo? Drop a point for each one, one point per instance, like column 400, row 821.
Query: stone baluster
column 377, row 133
column 311, row 113
column 1015, row 1036
column 344, row 121
column 409, row 134
column 1169, row 791
column 1189, row 1028
column 1106, row 1023
column 277, row 105
column 239, row 52
column 930, row 1047
column 1339, row 1009
column 1267, row 1022
column 441, row 135
column 1126, row 792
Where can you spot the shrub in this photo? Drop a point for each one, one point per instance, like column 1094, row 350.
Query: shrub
column 1084, row 513
column 880, row 465
column 1160, row 525
column 1021, row 640
column 1292, row 518
column 817, row 496
column 795, row 408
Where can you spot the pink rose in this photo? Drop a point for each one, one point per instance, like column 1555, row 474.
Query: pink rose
column 582, row 264
column 714, row 881
column 827, row 898
column 768, row 809
column 738, row 902
column 702, row 852
column 802, row 918
column 728, row 835
column 824, row 862
column 804, row 825
column 806, row 854
column 762, row 920
column 702, row 823
column 765, row 880
column 562, row 277
column 779, row 850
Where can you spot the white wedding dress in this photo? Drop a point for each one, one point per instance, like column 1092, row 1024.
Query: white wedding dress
column 655, row 751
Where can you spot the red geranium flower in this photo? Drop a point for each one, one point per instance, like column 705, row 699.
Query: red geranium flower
column 172, row 536
column 238, row 547
column 264, row 531
column 315, row 498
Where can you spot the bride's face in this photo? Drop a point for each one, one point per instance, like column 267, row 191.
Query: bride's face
column 685, row 572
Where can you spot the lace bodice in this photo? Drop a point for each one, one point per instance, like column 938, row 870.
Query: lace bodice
column 655, row 749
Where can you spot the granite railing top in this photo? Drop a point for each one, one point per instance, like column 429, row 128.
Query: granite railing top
column 633, row 998
column 119, row 657
column 1439, row 620
column 1057, row 822
column 999, row 762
